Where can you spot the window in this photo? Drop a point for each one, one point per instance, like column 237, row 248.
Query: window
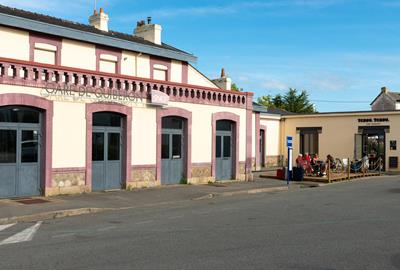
column 114, row 146
column 160, row 72
column 227, row 146
column 45, row 53
column 108, row 66
column 108, row 61
column 12, row 114
column 165, row 146
column 309, row 142
column 106, row 119
column 8, row 146
column 172, row 123
column 97, row 146
column 45, row 57
column 218, row 147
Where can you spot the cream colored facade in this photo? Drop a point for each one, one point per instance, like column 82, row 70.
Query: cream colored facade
column 338, row 130
column 82, row 55
column 273, row 147
column 69, row 80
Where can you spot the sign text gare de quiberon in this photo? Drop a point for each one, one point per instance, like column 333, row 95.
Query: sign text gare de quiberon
column 90, row 94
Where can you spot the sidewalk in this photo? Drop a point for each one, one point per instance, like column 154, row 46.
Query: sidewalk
column 62, row 206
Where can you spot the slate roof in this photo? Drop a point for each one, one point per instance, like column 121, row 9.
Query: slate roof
column 262, row 109
column 392, row 95
column 82, row 27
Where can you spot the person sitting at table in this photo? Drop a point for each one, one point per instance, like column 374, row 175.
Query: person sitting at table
column 307, row 163
column 300, row 161
column 319, row 165
column 331, row 161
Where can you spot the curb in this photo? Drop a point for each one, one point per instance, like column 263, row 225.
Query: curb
column 241, row 192
column 84, row 211
column 52, row 215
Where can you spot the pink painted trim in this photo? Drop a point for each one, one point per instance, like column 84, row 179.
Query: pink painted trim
column 160, row 61
column 127, row 137
column 249, row 134
column 47, row 131
column 262, row 127
column 114, row 52
column 177, row 92
column 144, row 167
column 69, row 170
column 185, row 72
column 257, row 135
column 201, row 164
column 187, row 115
column 41, row 38
column 236, row 120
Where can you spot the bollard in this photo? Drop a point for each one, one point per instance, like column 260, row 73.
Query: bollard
column 380, row 166
column 348, row 168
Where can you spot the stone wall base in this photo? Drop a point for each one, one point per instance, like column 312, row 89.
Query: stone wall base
column 201, row 180
column 273, row 161
column 54, row 191
column 141, row 184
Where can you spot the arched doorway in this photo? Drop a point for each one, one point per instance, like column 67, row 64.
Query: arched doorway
column 262, row 147
column 107, row 145
column 173, row 155
column 224, row 149
column 20, row 151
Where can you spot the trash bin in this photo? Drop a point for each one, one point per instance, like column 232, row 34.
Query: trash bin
column 280, row 174
column 298, row 174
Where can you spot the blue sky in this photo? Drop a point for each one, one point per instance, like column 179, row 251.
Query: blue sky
column 337, row 50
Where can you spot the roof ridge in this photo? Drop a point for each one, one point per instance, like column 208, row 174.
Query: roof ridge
column 81, row 26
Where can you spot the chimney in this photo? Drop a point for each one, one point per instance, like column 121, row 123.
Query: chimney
column 384, row 90
column 224, row 82
column 99, row 20
column 150, row 32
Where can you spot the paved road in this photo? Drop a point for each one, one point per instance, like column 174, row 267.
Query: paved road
column 354, row 225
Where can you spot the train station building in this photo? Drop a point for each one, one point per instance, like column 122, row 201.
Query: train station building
column 84, row 108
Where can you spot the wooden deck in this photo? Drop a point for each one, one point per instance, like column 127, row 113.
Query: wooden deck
column 339, row 177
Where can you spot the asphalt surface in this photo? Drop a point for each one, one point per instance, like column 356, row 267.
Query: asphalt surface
column 136, row 198
column 352, row 225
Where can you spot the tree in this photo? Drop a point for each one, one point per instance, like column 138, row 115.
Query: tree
column 234, row 87
column 266, row 101
column 291, row 101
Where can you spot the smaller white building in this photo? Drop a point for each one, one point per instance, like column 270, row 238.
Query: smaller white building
column 386, row 101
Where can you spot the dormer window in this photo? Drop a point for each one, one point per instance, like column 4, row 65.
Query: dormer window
column 108, row 60
column 160, row 72
column 108, row 63
column 160, row 69
column 45, row 49
column 45, row 53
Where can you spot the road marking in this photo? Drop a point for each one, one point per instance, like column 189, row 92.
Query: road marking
column 3, row 227
column 24, row 236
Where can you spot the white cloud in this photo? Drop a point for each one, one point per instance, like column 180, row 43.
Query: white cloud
column 273, row 84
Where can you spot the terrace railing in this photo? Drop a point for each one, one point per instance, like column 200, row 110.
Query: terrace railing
column 16, row 72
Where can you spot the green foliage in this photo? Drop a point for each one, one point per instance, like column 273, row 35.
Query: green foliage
column 234, row 87
column 291, row 101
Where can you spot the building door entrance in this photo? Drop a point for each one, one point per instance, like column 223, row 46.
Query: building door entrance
column 224, row 150
column 372, row 142
column 20, row 134
column 262, row 148
column 172, row 150
column 106, row 151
